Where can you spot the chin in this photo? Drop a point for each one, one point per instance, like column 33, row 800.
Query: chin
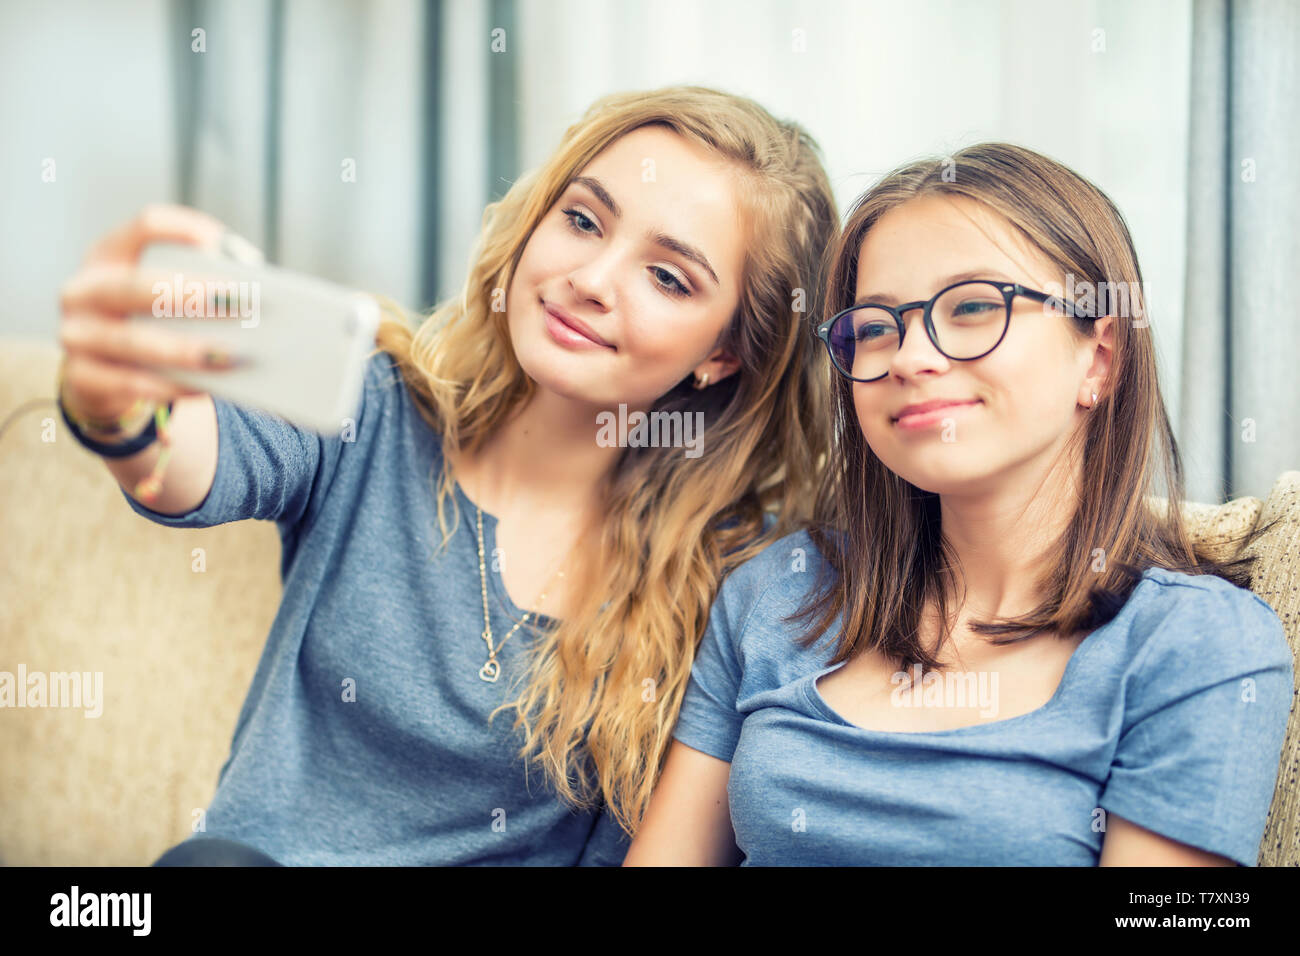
column 951, row 482
column 934, row 484
column 550, row 373
column 547, row 375
column 940, row 474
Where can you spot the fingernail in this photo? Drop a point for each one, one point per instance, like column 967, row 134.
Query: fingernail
column 217, row 358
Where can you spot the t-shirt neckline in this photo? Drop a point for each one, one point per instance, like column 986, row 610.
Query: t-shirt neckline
column 495, row 585
column 815, row 700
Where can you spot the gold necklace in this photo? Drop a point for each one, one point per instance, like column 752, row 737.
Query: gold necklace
column 491, row 670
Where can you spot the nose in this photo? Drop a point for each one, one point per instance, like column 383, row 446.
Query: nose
column 916, row 353
column 592, row 281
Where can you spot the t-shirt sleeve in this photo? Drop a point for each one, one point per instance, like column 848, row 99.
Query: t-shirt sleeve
column 709, row 720
column 267, row 468
column 1206, row 707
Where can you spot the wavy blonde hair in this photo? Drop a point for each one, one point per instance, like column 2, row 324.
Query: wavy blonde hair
column 674, row 526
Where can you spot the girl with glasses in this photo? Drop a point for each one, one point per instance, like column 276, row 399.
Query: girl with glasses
column 993, row 646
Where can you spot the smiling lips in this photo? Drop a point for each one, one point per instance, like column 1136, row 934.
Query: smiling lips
column 930, row 413
column 570, row 331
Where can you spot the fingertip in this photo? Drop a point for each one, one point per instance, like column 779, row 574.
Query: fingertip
column 168, row 221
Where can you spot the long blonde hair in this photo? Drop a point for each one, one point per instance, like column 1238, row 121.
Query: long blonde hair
column 602, row 689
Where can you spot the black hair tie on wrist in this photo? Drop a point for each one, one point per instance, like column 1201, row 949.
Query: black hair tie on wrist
column 117, row 449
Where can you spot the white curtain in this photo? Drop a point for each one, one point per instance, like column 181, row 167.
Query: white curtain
column 307, row 130
column 1241, row 393
column 348, row 139
column 360, row 140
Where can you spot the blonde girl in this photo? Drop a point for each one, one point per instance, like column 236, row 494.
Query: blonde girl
column 480, row 542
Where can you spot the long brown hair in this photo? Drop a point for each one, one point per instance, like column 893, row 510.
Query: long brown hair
column 603, row 688
column 886, row 555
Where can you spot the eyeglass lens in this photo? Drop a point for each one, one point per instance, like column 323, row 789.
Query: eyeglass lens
column 969, row 319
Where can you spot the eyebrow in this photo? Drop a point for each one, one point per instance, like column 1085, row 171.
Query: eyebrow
column 885, row 299
column 658, row 238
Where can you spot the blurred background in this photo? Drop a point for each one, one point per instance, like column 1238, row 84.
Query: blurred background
column 360, row 141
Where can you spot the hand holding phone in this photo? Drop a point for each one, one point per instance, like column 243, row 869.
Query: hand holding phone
column 297, row 344
column 107, row 366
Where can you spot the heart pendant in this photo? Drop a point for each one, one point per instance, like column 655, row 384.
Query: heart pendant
column 490, row 671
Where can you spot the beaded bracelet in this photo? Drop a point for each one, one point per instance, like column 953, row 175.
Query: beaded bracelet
column 147, row 489
column 159, row 428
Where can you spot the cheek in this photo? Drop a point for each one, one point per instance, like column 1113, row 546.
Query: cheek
column 1036, row 389
column 523, row 282
column 517, row 295
column 656, row 330
column 539, row 265
column 517, row 284
column 543, row 257
column 872, row 414
column 872, row 407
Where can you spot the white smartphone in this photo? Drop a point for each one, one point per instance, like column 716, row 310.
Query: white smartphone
column 300, row 342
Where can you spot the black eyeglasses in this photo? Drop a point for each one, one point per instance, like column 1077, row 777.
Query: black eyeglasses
column 965, row 321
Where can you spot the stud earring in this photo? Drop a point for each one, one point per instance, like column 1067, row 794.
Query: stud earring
column 1094, row 398
column 702, row 381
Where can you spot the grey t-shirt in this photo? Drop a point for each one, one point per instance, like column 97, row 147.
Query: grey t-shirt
column 364, row 738
column 1171, row 715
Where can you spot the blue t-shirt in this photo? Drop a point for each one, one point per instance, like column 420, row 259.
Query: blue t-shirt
column 409, row 772
column 1171, row 715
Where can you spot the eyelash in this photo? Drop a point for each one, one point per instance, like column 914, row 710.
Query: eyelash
column 677, row 289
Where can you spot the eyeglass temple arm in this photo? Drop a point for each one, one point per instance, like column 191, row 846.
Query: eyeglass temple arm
column 1071, row 309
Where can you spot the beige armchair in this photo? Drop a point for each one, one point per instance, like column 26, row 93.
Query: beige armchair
column 90, row 586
